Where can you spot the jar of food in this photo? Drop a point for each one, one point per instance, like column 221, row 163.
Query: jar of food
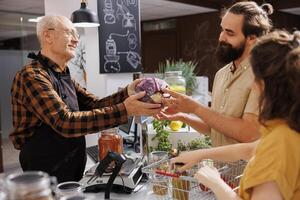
column 110, row 140
column 176, row 81
column 31, row 185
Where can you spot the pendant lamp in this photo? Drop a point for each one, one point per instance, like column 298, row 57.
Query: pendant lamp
column 84, row 17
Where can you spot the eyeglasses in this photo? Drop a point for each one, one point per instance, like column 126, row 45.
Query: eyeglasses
column 70, row 33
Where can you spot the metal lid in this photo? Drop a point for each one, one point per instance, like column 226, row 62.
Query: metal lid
column 28, row 178
column 173, row 73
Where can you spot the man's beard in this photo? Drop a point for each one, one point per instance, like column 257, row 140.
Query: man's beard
column 226, row 52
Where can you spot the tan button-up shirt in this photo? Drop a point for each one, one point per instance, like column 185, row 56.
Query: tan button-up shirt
column 233, row 96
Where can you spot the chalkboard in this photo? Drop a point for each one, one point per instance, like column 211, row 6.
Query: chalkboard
column 119, row 36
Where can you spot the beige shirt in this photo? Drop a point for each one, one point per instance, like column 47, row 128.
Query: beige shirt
column 232, row 96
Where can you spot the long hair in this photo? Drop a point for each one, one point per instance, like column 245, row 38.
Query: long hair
column 275, row 60
column 256, row 20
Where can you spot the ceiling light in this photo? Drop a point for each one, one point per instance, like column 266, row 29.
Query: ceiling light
column 84, row 17
column 34, row 19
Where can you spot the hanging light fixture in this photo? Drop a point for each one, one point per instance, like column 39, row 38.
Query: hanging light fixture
column 84, row 17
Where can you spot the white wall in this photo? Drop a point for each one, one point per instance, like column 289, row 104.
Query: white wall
column 99, row 84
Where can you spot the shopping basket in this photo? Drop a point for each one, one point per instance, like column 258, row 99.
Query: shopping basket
column 167, row 185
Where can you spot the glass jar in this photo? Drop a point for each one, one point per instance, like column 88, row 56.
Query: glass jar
column 156, row 156
column 69, row 188
column 176, row 81
column 80, row 197
column 110, row 140
column 31, row 185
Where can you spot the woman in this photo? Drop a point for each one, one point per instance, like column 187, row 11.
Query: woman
column 273, row 171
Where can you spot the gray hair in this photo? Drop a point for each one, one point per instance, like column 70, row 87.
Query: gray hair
column 46, row 22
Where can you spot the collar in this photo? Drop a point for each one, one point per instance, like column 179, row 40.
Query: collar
column 51, row 64
column 270, row 125
column 243, row 66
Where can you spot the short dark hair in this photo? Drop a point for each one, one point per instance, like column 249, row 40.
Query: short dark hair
column 256, row 20
column 275, row 60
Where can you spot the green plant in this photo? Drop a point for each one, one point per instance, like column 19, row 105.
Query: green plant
column 188, row 71
column 162, row 136
column 202, row 143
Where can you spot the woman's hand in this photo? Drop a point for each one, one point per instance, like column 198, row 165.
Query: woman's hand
column 189, row 159
column 209, row 176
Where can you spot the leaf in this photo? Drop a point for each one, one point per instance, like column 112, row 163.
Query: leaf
column 188, row 71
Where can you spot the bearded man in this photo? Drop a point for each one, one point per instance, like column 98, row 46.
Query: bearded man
column 232, row 117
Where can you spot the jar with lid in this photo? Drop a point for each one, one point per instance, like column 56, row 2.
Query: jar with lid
column 69, row 188
column 31, row 185
column 110, row 140
column 176, row 81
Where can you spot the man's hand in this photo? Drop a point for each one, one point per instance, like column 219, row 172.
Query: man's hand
column 132, row 85
column 135, row 107
column 165, row 115
column 179, row 102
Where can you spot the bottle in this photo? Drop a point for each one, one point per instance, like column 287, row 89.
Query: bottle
column 176, row 81
column 31, row 185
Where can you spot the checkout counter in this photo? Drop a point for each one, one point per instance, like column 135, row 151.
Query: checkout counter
column 134, row 183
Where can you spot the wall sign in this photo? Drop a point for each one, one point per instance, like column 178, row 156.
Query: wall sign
column 119, row 36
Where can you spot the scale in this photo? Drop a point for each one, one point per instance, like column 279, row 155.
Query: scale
column 124, row 177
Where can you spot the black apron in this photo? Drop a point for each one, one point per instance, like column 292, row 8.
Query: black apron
column 48, row 151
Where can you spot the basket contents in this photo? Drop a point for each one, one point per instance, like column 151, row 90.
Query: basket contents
column 169, row 184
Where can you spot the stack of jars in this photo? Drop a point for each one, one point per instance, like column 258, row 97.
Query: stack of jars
column 176, row 83
column 38, row 185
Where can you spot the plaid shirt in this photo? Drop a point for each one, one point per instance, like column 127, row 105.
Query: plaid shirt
column 35, row 101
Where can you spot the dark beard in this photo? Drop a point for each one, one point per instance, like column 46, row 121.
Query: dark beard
column 226, row 53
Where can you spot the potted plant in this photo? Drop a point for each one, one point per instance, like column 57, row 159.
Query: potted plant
column 188, row 72
column 162, row 135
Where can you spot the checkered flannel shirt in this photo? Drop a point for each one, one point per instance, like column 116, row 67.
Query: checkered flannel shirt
column 35, row 101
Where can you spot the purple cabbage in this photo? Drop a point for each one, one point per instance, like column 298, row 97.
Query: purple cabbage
column 153, row 87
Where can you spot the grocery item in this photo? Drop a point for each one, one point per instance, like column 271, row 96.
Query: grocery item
column 110, row 140
column 180, row 188
column 175, row 125
column 30, row 185
column 153, row 88
column 176, row 81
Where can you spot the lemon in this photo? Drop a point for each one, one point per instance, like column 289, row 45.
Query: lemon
column 175, row 125
column 178, row 88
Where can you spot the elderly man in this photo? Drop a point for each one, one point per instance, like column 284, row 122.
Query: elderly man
column 52, row 113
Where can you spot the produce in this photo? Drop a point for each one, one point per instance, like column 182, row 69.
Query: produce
column 180, row 188
column 178, row 88
column 153, row 87
column 175, row 125
column 162, row 136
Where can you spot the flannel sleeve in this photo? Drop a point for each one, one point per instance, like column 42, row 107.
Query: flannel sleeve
column 87, row 100
column 42, row 100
